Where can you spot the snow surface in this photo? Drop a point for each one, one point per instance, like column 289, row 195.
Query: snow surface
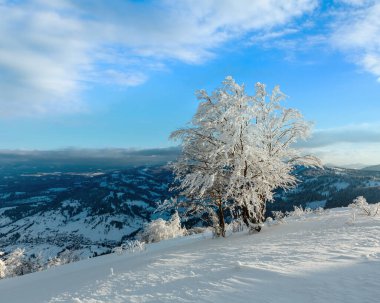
column 318, row 258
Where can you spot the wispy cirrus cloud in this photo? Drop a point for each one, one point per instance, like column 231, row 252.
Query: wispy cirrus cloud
column 351, row 27
column 356, row 32
column 50, row 51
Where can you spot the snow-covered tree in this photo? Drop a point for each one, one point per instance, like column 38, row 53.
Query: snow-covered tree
column 261, row 154
column 238, row 149
column 201, row 169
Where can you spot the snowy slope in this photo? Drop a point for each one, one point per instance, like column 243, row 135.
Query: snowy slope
column 318, row 258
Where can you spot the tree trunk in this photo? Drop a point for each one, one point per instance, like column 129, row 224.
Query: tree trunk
column 262, row 209
column 245, row 214
column 260, row 213
column 259, row 217
column 222, row 224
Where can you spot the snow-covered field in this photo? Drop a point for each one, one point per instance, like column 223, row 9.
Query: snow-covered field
column 317, row 258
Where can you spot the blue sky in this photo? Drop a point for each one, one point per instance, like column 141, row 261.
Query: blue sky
column 122, row 74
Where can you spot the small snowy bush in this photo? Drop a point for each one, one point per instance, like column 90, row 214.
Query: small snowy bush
column 360, row 204
column 38, row 262
column 319, row 211
column 196, row 230
column 279, row 216
column 160, row 229
column 129, row 246
column 52, row 262
column 17, row 263
column 68, row 256
column 14, row 263
column 299, row 212
column 235, row 226
column 2, row 267
column 65, row 257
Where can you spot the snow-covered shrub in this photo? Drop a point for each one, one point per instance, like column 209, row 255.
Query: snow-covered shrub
column 195, row 230
column 52, row 262
column 279, row 216
column 360, row 204
column 38, row 262
column 2, row 267
column 269, row 221
column 68, row 256
column 17, row 263
column 14, row 263
column 65, row 257
column 160, row 229
column 319, row 210
column 134, row 246
column 299, row 212
column 129, row 246
column 118, row 250
column 235, row 226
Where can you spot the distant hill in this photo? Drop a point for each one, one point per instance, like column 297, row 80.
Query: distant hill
column 373, row 168
column 82, row 160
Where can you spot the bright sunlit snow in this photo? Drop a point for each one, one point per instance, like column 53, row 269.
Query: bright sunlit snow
column 316, row 258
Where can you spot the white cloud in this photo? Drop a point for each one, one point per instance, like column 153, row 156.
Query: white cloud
column 357, row 32
column 350, row 144
column 41, row 60
column 51, row 50
column 361, row 133
column 123, row 79
column 349, row 154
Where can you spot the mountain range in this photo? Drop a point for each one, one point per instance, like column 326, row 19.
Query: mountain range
column 91, row 212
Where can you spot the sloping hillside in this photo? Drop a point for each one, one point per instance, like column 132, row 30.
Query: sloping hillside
column 315, row 258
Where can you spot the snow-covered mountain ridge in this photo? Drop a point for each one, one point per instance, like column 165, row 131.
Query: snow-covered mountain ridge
column 86, row 212
column 314, row 258
column 95, row 211
column 91, row 212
